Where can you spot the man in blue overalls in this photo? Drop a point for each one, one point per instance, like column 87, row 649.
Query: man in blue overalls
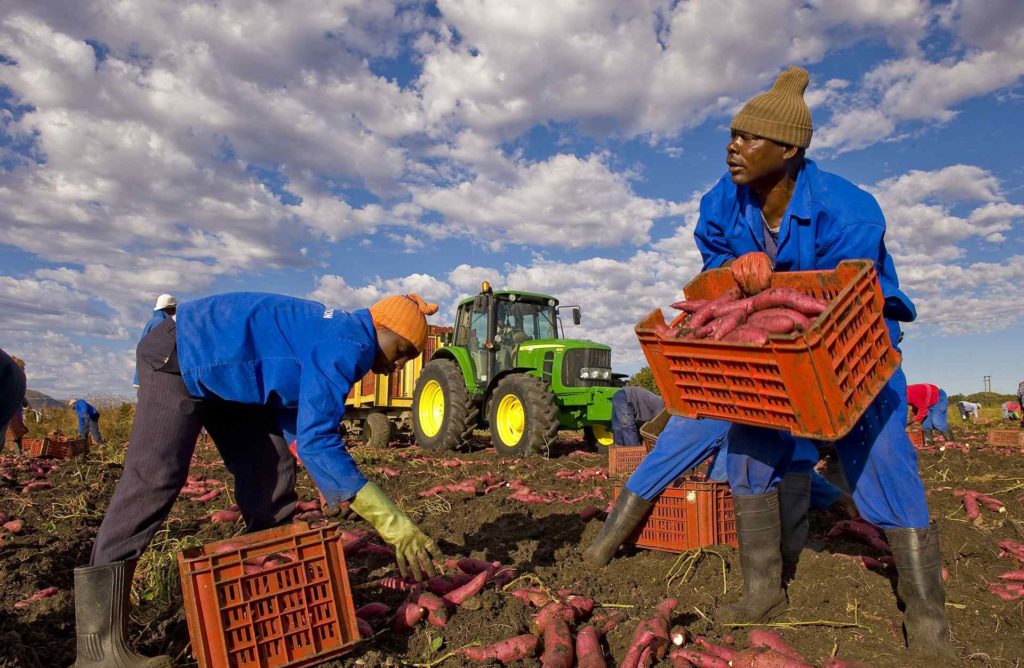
column 255, row 369
column 88, row 419
column 775, row 201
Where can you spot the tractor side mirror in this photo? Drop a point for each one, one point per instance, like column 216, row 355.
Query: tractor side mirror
column 577, row 317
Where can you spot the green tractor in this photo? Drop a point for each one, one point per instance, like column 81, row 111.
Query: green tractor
column 506, row 368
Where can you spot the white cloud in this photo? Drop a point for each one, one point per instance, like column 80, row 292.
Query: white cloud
column 564, row 201
column 334, row 290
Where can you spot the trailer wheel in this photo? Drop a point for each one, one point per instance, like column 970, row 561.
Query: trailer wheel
column 377, row 430
column 443, row 413
column 523, row 417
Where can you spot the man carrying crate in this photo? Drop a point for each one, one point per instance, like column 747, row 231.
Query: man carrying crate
column 254, row 369
column 776, row 202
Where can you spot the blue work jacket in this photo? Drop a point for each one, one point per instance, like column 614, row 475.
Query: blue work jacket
column 828, row 220
column 294, row 356
column 158, row 317
column 84, row 410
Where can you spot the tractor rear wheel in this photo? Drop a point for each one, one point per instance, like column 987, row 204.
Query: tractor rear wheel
column 377, row 430
column 443, row 413
column 523, row 417
column 598, row 438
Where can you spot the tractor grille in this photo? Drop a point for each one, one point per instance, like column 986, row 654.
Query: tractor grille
column 576, row 359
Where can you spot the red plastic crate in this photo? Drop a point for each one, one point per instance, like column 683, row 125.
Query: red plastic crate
column 686, row 516
column 58, row 448
column 623, row 459
column 916, row 438
column 293, row 614
column 1006, row 437
column 814, row 384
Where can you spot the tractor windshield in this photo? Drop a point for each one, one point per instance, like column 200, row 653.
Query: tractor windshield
column 520, row 321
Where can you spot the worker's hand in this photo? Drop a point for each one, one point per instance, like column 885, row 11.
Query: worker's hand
column 752, row 272
column 415, row 552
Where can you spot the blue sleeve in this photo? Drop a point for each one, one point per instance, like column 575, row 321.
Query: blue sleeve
column 823, row 493
column 327, row 375
column 711, row 240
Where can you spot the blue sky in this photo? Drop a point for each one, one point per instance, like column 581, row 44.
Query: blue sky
column 345, row 150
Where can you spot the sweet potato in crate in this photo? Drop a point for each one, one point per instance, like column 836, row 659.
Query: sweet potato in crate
column 687, row 515
column 814, row 384
column 1006, row 437
column 291, row 611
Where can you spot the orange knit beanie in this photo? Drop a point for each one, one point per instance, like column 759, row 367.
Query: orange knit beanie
column 404, row 315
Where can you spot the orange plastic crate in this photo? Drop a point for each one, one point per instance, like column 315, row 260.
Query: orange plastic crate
column 1006, row 437
column 686, row 516
column 623, row 459
column 58, row 448
column 294, row 614
column 916, row 438
column 814, row 384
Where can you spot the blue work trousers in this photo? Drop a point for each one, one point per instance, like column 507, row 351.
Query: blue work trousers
column 938, row 417
column 89, row 425
column 685, row 443
column 625, row 428
column 877, row 457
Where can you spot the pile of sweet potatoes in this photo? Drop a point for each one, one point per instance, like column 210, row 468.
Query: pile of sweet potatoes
column 748, row 313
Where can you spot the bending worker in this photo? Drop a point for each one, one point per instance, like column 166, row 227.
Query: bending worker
column 968, row 409
column 88, row 419
column 632, row 407
column 166, row 306
column 682, row 446
column 930, row 406
column 254, row 369
column 774, row 202
column 12, row 394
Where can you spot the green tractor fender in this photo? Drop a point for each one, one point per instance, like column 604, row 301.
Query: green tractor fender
column 461, row 357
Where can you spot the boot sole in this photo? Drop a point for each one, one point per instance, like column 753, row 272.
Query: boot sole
column 770, row 614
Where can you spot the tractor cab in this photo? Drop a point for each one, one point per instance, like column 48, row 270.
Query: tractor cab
column 492, row 326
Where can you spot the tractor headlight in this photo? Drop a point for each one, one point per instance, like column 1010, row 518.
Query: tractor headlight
column 590, row 373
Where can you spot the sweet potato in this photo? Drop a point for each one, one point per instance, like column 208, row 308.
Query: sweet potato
column 720, row 327
column 678, row 660
column 642, row 639
column 1016, row 576
column 744, row 305
column 752, row 272
column 445, row 584
column 835, row 662
column 798, row 318
column 581, row 606
column 589, row 513
column 393, row 583
column 408, row 616
column 306, row 506
column 375, row 610
column 703, row 315
column 690, row 305
column 225, row 516
column 504, row 651
column 553, row 610
column 38, row 596
column 764, row 657
column 605, row 621
column 365, row 630
column 701, row 659
column 709, row 647
column 534, row 596
column 229, row 546
column 748, row 333
column 558, row 647
column 972, row 507
column 14, row 526
column 209, row 496
column 789, row 298
column 437, row 609
column 588, row 648
column 468, row 590
column 678, row 636
column 773, row 641
column 474, row 566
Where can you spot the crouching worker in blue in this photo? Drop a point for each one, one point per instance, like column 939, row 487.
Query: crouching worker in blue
column 632, row 407
column 88, row 419
column 253, row 369
column 774, row 201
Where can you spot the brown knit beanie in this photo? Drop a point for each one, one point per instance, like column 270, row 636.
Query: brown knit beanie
column 780, row 114
column 404, row 315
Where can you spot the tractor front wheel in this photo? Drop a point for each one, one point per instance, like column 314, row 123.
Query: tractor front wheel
column 598, row 438
column 443, row 414
column 523, row 417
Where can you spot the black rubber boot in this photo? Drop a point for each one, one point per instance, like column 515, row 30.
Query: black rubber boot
column 101, row 619
column 948, row 435
column 627, row 513
column 794, row 502
column 928, row 438
column 919, row 585
column 760, row 537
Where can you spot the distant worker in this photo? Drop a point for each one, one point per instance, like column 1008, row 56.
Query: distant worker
column 930, row 406
column 12, row 393
column 88, row 419
column 632, row 407
column 1011, row 411
column 1020, row 393
column 968, row 409
column 166, row 306
column 257, row 370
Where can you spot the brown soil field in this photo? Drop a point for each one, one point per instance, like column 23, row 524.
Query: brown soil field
column 837, row 607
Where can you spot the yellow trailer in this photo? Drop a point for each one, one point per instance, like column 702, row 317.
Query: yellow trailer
column 380, row 405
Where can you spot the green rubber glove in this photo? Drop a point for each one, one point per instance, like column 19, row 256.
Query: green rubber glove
column 413, row 549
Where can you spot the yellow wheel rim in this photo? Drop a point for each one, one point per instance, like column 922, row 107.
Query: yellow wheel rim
column 511, row 420
column 431, row 408
column 603, row 435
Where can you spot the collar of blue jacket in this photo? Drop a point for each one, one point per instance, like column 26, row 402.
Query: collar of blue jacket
column 828, row 220
column 292, row 355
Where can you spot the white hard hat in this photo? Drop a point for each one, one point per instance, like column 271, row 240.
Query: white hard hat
column 165, row 301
